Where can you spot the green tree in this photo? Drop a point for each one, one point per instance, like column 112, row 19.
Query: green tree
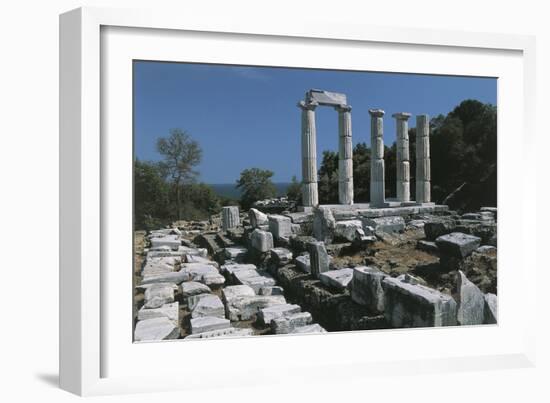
column 294, row 190
column 328, row 178
column 181, row 155
column 199, row 201
column 151, row 196
column 255, row 184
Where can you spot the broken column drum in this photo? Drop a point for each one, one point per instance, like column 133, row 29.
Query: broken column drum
column 345, row 155
column 423, row 175
column 377, row 186
column 230, row 217
column 314, row 98
column 309, row 155
column 403, row 186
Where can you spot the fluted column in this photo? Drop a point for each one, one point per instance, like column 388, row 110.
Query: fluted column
column 377, row 186
column 345, row 155
column 423, row 173
column 403, row 190
column 310, row 196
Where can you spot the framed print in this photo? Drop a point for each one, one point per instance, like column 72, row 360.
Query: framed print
column 323, row 195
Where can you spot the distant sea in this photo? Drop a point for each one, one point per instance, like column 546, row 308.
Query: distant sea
column 230, row 190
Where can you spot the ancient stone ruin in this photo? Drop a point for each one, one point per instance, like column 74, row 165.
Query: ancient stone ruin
column 281, row 269
column 310, row 198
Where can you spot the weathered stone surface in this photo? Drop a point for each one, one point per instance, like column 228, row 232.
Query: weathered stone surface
column 457, row 244
column 325, row 98
column 158, row 295
column 171, row 241
column 173, row 277
column 181, row 251
column 386, row 224
column 407, row 278
column 254, row 279
column 303, row 263
column 323, row 224
column 206, row 305
column 266, row 315
column 230, row 217
column 486, row 249
column 272, row 290
column 490, row 315
column 191, row 288
column 235, row 253
column 262, row 241
column 200, row 259
column 170, row 311
column 242, row 303
column 221, row 333
column 319, row 258
column 427, row 246
column 437, row 227
column 366, row 287
column 279, row 226
column 300, row 217
column 257, row 218
column 156, row 329
column 470, row 301
column 236, row 291
column 232, row 268
column 202, row 273
column 281, row 256
column 408, row 305
column 349, row 230
column 287, row 324
column 208, row 323
column 314, row 328
column 339, row 279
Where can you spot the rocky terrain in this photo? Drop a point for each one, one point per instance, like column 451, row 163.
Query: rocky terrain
column 258, row 273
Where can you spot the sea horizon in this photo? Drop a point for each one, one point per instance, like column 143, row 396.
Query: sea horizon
column 230, row 189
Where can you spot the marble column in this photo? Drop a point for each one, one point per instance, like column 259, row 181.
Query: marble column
column 403, row 190
column 345, row 155
column 377, row 186
column 423, row 174
column 310, row 196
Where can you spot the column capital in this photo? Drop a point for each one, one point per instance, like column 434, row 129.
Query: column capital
column 343, row 108
column 378, row 113
column 310, row 106
column 402, row 116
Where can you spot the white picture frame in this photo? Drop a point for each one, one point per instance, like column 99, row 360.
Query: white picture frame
column 89, row 328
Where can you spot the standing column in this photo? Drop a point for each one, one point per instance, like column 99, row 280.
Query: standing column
column 345, row 155
column 310, row 197
column 423, row 174
column 403, row 190
column 377, row 187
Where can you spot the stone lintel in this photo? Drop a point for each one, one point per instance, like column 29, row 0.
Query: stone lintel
column 325, row 97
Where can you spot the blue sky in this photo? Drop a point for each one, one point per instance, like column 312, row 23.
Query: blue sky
column 247, row 117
